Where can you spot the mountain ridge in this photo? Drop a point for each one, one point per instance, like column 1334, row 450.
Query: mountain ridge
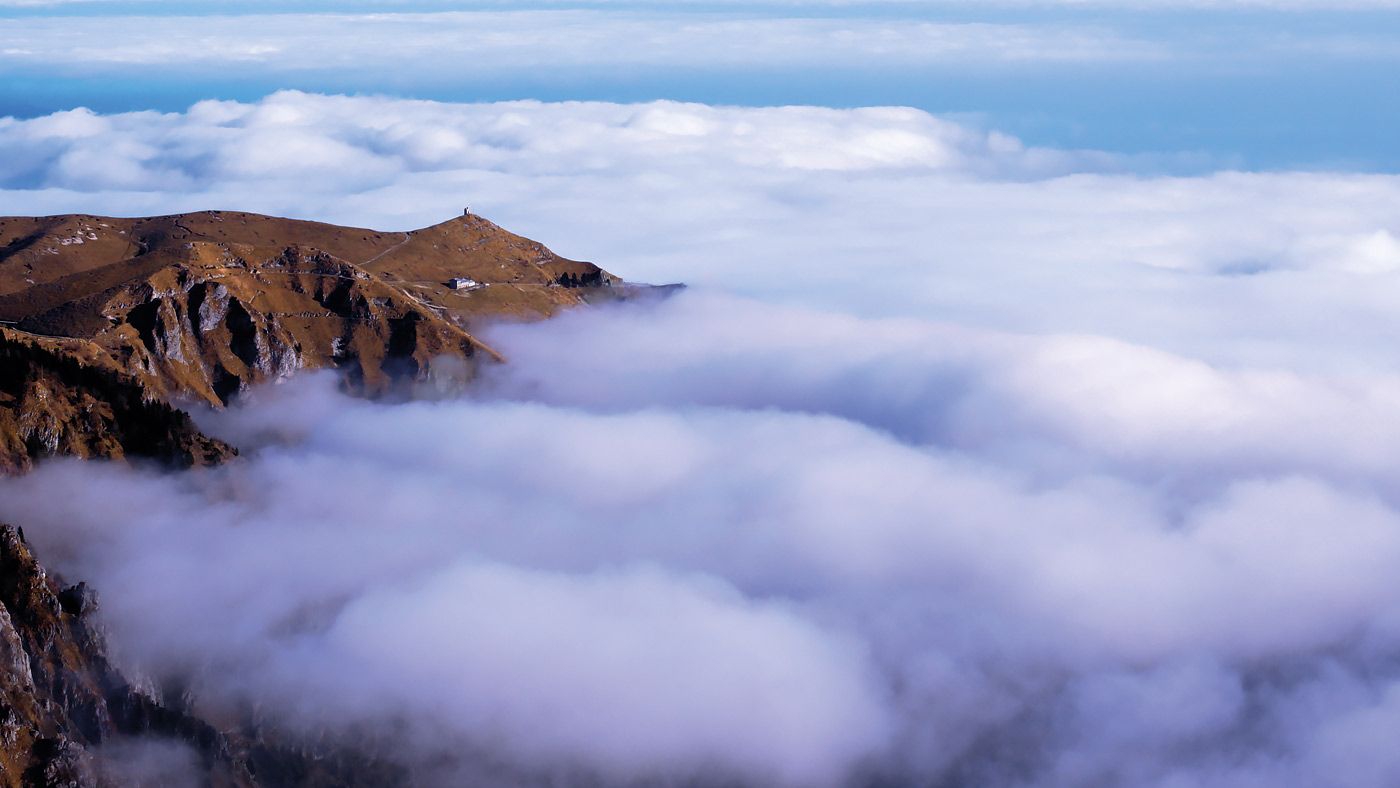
column 199, row 307
column 204, row 305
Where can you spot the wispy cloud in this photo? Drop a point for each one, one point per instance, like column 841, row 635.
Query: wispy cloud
column 433, row 44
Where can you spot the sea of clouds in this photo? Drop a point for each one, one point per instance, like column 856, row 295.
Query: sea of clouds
column 962, row 463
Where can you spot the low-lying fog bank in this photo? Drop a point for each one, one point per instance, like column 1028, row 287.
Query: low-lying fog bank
column 717, row 539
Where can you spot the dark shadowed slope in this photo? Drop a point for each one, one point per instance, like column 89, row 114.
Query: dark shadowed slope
column 63, row 398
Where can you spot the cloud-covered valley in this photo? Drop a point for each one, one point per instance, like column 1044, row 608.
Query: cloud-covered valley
column 825, row 566
column 962, row 463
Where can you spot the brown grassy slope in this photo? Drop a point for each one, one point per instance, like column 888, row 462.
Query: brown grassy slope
column 38, row 251
column 207, row 304
column 46, row 252
column 521, row 275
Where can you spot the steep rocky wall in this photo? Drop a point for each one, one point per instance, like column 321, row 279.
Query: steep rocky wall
column 62, row 701
column 60, row 698
column 210, row 328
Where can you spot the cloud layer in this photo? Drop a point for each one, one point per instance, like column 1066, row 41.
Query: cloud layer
column 842, row 549
column 964, row 462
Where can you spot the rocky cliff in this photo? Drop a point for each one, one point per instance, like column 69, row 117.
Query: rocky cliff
column 67, row 717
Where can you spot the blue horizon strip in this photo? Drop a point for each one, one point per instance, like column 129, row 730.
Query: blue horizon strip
column 1261, row 109
column 1244, row 124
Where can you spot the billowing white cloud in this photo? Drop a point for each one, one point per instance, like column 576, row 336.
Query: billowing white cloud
column 360, row 143
column 837, row 549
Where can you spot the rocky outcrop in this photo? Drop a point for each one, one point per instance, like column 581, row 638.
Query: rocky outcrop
column 63, row 706
column 60, row 700
column 210, row 332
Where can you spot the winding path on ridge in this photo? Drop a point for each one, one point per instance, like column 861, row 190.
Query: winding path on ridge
column 406, row 238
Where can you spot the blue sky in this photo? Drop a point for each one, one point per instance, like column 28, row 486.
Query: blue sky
column 1258, row 85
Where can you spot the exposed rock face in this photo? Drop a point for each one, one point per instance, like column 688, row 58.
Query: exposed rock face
column 210, row 332
column 59, row 697
column 52, row 700
column 61, row 701
column 53, row 402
